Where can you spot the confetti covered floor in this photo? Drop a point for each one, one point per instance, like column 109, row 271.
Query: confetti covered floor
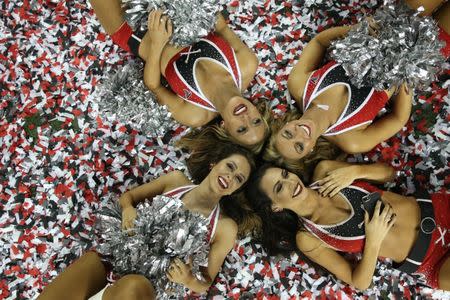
column 60, row 160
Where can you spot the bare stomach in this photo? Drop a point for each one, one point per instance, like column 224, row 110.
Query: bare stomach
column 401, row 238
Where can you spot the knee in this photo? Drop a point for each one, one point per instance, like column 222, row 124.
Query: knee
column 134, row 287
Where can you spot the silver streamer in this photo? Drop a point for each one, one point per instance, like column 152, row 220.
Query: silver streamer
column 124, row 97
column 163, row 231
column 192, row 19
column 406, row 50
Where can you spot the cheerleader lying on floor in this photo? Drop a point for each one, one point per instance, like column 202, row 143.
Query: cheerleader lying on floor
column 230, row 167
column 333, row 109
column 414, row 233
column 206, row 79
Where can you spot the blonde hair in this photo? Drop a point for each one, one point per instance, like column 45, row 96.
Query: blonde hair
column 304, row 166
column 216, row 132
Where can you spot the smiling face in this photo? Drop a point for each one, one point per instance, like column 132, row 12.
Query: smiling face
column 242, row 120
column 296, row 139
column 229, row 174
column 285, row 189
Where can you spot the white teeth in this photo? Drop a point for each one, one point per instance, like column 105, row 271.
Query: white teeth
column 305, row 128
column 240, row 110
column 297, row 190
column 223, row 182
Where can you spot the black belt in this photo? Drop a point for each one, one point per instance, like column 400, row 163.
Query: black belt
column 418, row 251
column 135, row 41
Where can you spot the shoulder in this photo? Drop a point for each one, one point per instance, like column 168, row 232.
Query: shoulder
column 296, row 84
column 321, row 169
column 227, row 229
column 197, row 116
column 175, row 179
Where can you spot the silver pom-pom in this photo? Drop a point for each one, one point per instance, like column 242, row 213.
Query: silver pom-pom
column 191, row 19
column 123, row 96
column 163, row 231
column 406, row 50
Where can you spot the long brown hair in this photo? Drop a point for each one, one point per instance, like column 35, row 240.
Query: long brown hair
column 304, row 166
column 206, row 150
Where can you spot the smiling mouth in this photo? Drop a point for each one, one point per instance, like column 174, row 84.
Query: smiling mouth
column 222, row 182
column 298, row 190
column 306, row 128
column 240, row 109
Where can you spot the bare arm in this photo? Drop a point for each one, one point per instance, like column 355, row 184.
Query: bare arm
column 248, row 61
column 360, row 276
column 160, row 30
column 333, row 176
column 361, row 141
column 133, row 197
column 311, row 58
column 223, row 243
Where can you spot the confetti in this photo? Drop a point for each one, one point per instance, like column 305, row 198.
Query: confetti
column 61, row 160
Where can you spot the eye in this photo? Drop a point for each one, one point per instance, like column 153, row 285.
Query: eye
column 299, row 147
column 284, row 173
column 230, row 166
column 278, row 188
column 241, row 129
column 239, row 179
column 257, row 121
column 287, row 134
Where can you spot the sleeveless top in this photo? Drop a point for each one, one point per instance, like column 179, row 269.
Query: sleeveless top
column 363, row 104
column 348, row 235
column 213, row 216
column 180, row 71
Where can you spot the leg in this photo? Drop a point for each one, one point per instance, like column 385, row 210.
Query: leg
column 131, row 287
column 442, row 16
column 80, row 280
column 444, row 275
column 429, row 5
column 109, row 13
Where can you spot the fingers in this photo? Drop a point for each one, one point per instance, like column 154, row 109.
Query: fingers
column 169, row 27
column 157, row 21
column 376, row 212
column 151, row 19
column 392, row 221
column 387, row 212
column 335, row 191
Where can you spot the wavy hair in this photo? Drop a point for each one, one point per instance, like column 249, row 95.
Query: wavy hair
column 279, row 229
column 304, row 166
column 207, row 151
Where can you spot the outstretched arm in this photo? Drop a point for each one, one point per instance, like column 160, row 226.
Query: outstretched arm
column 333, row 176
column 223, row 243
column 364, row 140
column 160, row 30
column 248, row 62
column 311, row 58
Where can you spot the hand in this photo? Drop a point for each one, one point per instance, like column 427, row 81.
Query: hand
column 221, row 23
column 159, row 28
column 336, row 180
column 377, row 228
column 374, row 28
column 128, row 216
column 179, row 272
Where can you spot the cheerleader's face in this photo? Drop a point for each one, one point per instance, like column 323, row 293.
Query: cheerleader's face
column 296, row 139
column 284, row 188
column 229, row 174
column 242, row 120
